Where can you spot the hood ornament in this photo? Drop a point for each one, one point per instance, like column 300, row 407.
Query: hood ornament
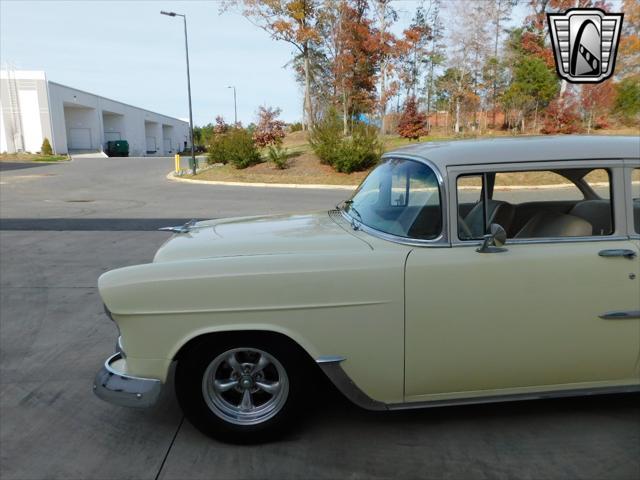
column 186, row 228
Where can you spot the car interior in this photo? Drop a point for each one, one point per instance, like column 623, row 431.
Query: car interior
column 550, row 216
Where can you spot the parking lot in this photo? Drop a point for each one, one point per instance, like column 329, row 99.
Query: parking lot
column 62, row 225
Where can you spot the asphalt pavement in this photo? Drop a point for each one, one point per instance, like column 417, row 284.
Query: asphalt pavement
column 62, row 225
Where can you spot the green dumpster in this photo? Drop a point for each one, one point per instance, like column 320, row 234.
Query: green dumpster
column 117, row 148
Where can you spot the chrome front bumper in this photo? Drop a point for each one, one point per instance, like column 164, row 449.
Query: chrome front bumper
column 114, row 386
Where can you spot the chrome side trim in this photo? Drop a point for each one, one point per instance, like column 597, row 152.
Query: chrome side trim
column 119, row 388
column 120, row 348
column 330, row 365
column 517, row 397
column 622, row 315
column 330, row 359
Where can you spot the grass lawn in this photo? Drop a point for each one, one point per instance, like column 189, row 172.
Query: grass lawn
column 305, row 166
column 31, row 157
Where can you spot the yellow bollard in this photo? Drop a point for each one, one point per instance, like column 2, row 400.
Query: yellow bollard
column 177, row 163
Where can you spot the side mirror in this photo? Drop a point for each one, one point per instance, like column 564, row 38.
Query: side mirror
column 494, row 240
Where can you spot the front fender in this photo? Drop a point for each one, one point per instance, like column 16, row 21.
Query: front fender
column 330, row 304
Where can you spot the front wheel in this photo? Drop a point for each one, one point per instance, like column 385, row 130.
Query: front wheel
column 240, row 391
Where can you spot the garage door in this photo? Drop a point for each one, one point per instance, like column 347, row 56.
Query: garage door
column 167, row 145
column 80, row 138
column 151, row 145
column 112, row 136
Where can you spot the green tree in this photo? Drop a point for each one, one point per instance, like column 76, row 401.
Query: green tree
column 46, row 149
column 534, row 86
column 627, row 103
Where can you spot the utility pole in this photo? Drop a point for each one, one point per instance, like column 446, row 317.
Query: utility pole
column 193, row 162
column 235, row 106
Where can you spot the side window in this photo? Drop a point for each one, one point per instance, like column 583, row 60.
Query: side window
column 635, row 193
column 536, row 203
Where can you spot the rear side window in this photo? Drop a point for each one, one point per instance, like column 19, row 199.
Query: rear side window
column 536, row 203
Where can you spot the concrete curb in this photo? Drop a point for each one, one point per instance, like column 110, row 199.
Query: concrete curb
column 171, row 176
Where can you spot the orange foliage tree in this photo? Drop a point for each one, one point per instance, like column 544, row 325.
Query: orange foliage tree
column 412, row 123
column 292, row 21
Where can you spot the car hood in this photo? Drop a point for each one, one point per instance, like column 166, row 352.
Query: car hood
column 266, row 235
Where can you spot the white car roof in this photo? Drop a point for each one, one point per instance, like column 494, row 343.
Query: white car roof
column 523, row 149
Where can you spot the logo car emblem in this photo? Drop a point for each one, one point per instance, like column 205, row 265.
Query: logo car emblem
column 585, row 43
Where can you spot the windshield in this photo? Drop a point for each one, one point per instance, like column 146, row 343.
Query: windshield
column 400, row 197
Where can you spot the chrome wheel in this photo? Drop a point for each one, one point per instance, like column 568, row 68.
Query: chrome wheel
column 245, row 386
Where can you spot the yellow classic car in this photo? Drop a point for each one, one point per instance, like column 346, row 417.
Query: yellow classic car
column 458, row 272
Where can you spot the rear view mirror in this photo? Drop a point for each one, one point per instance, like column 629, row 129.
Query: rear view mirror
column 494, row 240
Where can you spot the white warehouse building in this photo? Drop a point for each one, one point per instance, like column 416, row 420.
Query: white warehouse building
column 32, row 109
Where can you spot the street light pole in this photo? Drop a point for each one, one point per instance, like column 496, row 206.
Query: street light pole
column 235, row 105
column 194, row 164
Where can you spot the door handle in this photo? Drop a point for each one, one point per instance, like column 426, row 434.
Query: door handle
column 618, row 252
column 620, row 315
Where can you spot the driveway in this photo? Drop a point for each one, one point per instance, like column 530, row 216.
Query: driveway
column 63, row 225
column 135, row 189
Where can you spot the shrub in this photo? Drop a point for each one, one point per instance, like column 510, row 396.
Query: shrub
column 360, row 151
column 345, row 154
column 46, row 149
column 412, row 123
column 279, row 156
column 236, row 146
column 295, row 127
column 269, row 130
column 326, row 136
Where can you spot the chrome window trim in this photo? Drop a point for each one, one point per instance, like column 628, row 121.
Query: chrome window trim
column 527, row 241
column 630, row 166
column 439, row 241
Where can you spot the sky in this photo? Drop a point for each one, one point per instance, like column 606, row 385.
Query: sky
column 127, row 51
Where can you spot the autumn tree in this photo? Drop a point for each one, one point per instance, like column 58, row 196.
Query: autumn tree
column 350, row 45
column 562, row 116
column 221, row 126
column 629, row 51
column 294, row 22
column 412, row 124
column 597, row 100
column 269, row 130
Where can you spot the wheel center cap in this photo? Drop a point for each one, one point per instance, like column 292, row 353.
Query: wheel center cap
column 246, row 382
